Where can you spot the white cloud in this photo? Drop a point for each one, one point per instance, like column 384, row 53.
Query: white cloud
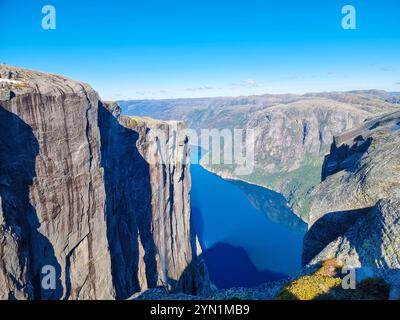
column 202, row 88
column 249, row 83
column 140, row 93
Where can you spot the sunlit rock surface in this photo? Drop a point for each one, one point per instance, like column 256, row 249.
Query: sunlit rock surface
column 355, row 214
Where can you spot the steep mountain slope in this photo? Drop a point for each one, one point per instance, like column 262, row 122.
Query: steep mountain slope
column 85, row 192
column 293, row 132
column 355, row 212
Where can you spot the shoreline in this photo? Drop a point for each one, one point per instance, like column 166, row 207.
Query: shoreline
column 230, row 177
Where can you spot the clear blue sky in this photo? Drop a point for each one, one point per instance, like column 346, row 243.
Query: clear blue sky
column 191, row 48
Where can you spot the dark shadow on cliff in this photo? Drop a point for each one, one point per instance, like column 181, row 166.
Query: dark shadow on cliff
column 364, row 230
column 128, row 205
column 327, row 229
column 18, row 151
column 345, row 157
column 367, row 289
column 273, row 205
column 230, row 266
column 370, row 235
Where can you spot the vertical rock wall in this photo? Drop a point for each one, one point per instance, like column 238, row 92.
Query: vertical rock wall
column 79, row 193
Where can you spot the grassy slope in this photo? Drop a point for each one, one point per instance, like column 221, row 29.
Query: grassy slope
column 326, row 284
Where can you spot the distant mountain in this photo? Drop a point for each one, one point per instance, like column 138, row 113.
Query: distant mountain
column 295, row 131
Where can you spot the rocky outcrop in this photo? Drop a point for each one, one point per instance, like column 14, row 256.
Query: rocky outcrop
column 147, row 180
column 355, row 211
column 90, row 194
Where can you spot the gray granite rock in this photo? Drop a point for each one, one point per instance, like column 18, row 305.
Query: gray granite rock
column 355, row 215
column 84, row 191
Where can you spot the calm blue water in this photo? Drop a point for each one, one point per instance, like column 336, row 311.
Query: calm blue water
column 242, row 245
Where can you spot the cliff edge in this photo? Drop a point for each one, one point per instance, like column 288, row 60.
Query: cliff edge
column 91, row 195
column 355, row 212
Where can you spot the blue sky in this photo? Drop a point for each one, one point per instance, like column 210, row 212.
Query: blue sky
column 167, row 49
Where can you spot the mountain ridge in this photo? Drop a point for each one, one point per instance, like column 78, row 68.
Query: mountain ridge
column 295, row 131
column 81, row 194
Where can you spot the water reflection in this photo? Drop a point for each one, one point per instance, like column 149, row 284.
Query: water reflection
column 242, row 245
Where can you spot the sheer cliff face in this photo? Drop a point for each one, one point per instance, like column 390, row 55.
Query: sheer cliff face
column 355, row 213
column 147, row 181
column 87, row 193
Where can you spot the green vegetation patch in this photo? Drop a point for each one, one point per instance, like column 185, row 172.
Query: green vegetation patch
column 311, row 287
column 129, row 122
column 326, row 284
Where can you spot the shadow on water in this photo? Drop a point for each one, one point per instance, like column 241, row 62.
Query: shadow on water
column 273, row 205
column 246, row 242
column 18, row 151
column 230, row 266
column 128, row 205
